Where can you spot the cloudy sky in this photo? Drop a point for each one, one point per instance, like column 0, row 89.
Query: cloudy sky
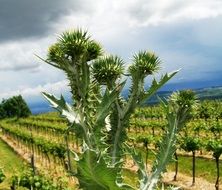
column 185, row 34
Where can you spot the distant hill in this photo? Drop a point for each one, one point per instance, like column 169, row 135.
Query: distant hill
column 209, row 93
column 212, row 93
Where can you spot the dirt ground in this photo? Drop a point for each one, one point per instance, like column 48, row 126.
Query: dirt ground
column 185, row 182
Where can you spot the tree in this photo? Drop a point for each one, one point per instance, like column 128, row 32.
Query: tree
column 146, row 142
column 102, row 115
column 14, row 107
column 216, row 147
column 191, row 144
column 216, row 129
column 2, row 112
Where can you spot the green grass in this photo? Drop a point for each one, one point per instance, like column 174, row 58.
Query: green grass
column 205, row 168
column 130, row 177
column 11, row 164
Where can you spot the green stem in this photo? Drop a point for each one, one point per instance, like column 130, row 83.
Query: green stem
column 117, row 135
column 123, row 116
column 161, row 165
column 136, row 91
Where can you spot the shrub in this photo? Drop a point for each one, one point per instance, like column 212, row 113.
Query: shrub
column 14, row 107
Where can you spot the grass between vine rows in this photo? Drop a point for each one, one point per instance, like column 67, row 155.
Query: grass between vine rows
column 11, row 164
column 205, row 168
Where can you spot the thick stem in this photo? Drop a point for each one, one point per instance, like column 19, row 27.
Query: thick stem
column 116, row 141
column 119, row 127
column 86, row 130
column 123, row 116
column 136, row 92
column 81, row 77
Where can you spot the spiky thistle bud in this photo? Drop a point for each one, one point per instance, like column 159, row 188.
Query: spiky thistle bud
column 144, row 63
column 107, row 69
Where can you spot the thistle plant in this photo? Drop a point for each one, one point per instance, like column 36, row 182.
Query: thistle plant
column 99, row 115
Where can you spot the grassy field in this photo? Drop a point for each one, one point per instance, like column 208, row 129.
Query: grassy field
column 11, row 164
column 205, row 168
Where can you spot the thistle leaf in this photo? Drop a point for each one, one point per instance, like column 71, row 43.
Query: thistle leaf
column 142, row 173
column 93, row 173
column 177, row 116
column 166, row 150
column 46, row 61
column 63, row 107
column 156, row 86
column 109, row 97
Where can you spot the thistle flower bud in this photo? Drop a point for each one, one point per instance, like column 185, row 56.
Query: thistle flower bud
column 107, row 69
column 144, row 63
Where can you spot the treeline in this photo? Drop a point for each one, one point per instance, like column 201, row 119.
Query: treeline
column 14, row 107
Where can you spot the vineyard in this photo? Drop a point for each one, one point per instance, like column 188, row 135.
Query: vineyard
column 106, row 141
column 42, row 142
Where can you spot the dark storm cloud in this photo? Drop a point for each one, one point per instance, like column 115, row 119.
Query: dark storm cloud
column 31, row 18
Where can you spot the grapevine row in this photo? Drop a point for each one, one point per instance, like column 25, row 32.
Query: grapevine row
column 46, row 147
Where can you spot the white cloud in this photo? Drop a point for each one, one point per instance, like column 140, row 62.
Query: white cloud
column 122, row 27
column 144, row 13
column 19, row 55
column 109, row 22
column 113, row 21
column 29, row 92
column 116, row 15
column 15, row 56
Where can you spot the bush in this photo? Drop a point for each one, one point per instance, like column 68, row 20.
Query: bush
column 33, row 181
column 2, row 176
column 14, row 107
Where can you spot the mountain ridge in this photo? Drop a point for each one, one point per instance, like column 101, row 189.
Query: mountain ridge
column 206, row 93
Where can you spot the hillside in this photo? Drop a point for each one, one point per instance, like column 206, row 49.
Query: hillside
column 42, row 106
column 211, row 93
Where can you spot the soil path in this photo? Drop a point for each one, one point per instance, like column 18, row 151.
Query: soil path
column 185, row 182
